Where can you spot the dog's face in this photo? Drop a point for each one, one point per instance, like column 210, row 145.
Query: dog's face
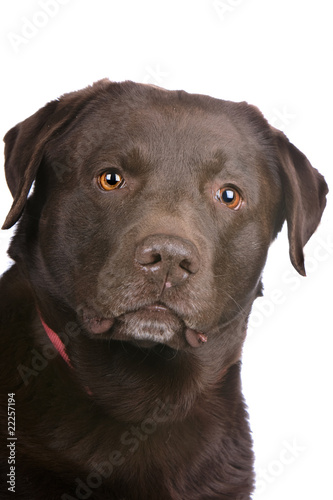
column 164, row 222
column 151, row 218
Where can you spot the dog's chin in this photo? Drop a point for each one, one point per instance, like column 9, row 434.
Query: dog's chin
column 146, row 327
column 149, row 326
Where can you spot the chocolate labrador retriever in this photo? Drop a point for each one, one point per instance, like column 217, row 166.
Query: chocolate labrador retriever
column 138, row 255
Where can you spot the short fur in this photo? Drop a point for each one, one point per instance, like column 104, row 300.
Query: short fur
column 150, row 287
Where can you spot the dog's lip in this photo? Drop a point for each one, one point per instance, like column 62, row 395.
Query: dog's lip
column 193, row 338
column 149, row 309
column 98, row 326
column 156, row 308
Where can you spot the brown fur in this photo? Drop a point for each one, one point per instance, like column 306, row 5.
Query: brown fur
column 135, row 281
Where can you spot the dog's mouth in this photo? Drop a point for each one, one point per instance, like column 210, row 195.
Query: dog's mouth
column 145, row 327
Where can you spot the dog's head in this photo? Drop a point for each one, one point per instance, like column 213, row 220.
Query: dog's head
column 152, row 214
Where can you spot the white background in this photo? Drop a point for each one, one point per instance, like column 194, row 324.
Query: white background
column 277, row 55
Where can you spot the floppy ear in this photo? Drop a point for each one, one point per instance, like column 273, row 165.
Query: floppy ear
column 304, row 191
column 25, row 144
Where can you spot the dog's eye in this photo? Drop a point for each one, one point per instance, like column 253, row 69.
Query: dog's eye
column 230, row 197
column 109, row 181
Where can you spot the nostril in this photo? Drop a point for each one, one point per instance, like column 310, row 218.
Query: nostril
column 147, row 255
column 149, row 258
column 188, row 266
column 155, row 258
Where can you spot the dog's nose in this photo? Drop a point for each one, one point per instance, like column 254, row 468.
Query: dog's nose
column 169, row 258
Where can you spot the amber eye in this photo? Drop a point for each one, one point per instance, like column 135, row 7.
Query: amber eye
column 110, row 181
column 230, row 197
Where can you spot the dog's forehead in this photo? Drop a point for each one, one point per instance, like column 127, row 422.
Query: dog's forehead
column 166, row 130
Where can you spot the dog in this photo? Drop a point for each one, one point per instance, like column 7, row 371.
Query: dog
column 138, row 255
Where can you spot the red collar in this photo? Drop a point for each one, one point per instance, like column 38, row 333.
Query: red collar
column 59, row 345
column 56, row 341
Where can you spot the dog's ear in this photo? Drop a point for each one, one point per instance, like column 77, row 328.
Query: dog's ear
column 25, row 143
column 304, row 191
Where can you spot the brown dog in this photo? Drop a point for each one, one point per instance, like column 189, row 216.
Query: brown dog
column 138, row 256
